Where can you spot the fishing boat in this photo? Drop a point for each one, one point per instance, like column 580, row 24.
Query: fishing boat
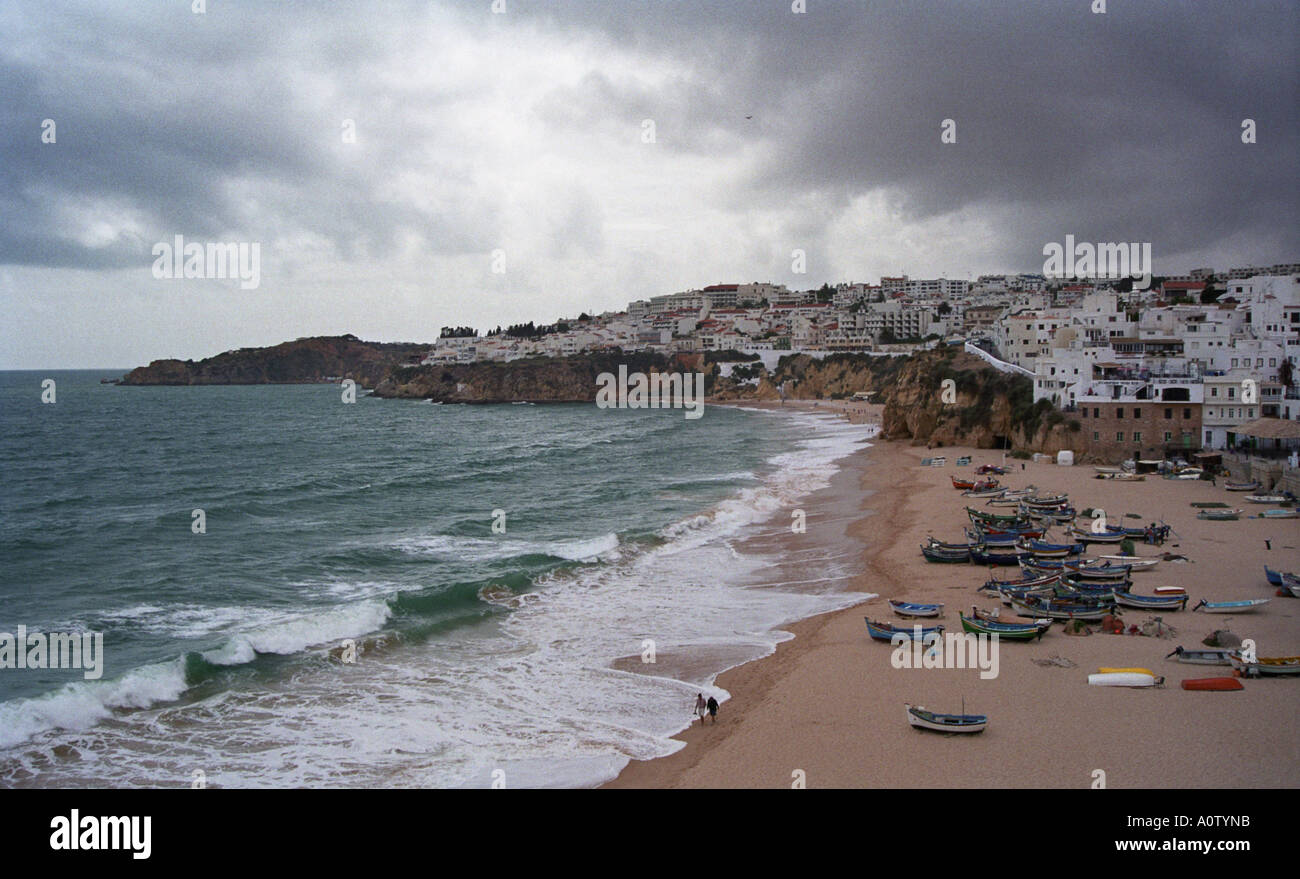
column 1125, row 679
column 945, row 556
column 918, row 717
column 1151, row 602
column 1058, row 610
column 1045, row 550
column 887, row 631
column 1194, row 473
column 1202, row 657
column 1094, row 587
column 985, row 493
column 1241, row 486
column 981, row 516
column 1056, row 500
column 1276, row 666
column 978, row 535
column 913, row 609
column 1085, row 535
column 1212, row 685
column 1279, row 514
column 983, row 556
column 1108, row 670
column 1005, row 631
column 1006, row 596
column 993, row 584
column 1114, row 470
column 1246, row 606
column 1266, row 498
column 990, row 468
column 936, row 543
column 1219, row 515
column 1132, row 562
column 1084, row 571
column 962, row 484
column 1291, row 583
column 996, row 616
column 1025, row 529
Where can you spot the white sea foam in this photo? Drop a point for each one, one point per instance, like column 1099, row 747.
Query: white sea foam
column 82, row 704
column 484, row 549
column 299, row 633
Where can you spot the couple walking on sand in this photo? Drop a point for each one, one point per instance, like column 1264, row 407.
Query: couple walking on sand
column 710, row 706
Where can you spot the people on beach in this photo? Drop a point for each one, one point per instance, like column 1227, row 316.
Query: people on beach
column 713, row 710
column 700, row 707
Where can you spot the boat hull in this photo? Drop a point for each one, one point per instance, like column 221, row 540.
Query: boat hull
column 919, row 718
column 1231, row 606
column 1124, row 679
column 1212, row 685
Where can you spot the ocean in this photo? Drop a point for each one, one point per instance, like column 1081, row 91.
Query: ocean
column 516, row 655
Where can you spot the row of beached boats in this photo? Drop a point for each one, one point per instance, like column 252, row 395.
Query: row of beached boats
column 1058, row 583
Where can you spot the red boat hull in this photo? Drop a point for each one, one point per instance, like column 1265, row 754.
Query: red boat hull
column 1212, row 684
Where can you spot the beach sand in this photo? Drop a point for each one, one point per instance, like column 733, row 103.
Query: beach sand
column 827, row 706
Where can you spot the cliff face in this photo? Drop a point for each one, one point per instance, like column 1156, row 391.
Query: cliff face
column 533, row 380
column 300, row 361
column 983, row 408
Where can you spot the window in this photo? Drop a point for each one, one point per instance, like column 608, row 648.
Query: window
column 1169, row 413
column 1137, row 436
column 1168, row 436
column 1083, row 413
column 1137, row 412
column 1187, row 413
column 1232, row 393
column 1096, row 436
column 1096, row 413
column 1119, row 437
column 1214, row 392
column 1207, row 438
column 1119, row 412
column 1252, row 412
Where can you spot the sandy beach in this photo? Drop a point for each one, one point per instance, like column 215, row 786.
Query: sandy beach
column 827, row 706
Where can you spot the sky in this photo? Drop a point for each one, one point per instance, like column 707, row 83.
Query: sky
column 403, row 166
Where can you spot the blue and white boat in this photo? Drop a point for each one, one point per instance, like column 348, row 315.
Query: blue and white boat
column 887, row 631
column 918, row 717
column 1151, row 602
column 914, row 609
column 1247, row 606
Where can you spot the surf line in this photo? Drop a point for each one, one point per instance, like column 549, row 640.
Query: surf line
column 658, row 390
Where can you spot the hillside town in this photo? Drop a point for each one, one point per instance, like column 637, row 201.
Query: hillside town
column 1187, row 364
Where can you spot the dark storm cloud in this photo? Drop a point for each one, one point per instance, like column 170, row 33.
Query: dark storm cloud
column 199, row 125
column 1111, row 126
column 1122, row 126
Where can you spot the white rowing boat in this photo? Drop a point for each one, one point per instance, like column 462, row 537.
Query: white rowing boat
column 1125, row 679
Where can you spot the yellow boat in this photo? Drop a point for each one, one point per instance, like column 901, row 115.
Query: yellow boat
column 1106, row 670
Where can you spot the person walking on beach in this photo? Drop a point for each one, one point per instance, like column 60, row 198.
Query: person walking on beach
column 700, row 707
column 713, row 710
